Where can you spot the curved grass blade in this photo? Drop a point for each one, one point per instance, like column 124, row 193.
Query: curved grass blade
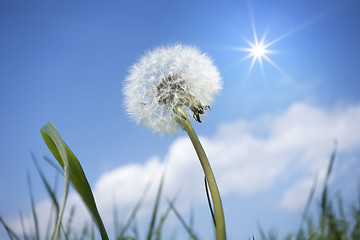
column 65, row 157
column 58, row 149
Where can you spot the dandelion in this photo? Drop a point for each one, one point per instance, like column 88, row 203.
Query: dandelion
column 168, row 78
column 167, row 85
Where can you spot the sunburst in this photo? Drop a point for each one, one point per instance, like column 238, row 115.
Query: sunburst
column 258, row 50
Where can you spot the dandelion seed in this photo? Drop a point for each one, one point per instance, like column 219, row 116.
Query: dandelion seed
column 167, row 78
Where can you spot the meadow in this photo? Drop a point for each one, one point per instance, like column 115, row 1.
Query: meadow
column 332, row 220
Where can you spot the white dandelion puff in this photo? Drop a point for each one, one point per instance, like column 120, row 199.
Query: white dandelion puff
column 168, row 78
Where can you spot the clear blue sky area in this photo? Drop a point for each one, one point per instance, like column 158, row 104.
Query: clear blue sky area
column 65, row 62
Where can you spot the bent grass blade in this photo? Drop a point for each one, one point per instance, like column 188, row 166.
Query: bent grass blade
column 72, row 172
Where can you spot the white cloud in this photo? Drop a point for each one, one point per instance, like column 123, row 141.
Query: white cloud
column 297, row 142
column 247, row 157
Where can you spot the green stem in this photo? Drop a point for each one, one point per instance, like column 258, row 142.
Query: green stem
column 218, row 209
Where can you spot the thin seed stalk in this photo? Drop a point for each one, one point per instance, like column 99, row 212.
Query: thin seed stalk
column 215, row 194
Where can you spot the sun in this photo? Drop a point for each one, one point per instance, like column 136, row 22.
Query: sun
column 258, row 51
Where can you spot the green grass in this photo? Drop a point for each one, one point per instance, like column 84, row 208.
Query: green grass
column 122, row 231
column 330, row 223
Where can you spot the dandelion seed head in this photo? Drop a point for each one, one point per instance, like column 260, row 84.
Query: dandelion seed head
column 166, row 78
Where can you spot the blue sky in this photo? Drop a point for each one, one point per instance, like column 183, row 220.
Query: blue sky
column 269, row 132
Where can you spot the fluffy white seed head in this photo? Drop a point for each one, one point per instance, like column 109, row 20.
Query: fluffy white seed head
column 167, row 78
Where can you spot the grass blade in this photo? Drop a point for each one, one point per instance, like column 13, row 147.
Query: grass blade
column 72, row 171
column 68, row 228
column 155, row 210
column 47, row 186
column 10, row 232
column 23, row 226
column 187, row 228
column 163, row 218
column 115, row 218
column 134, row 212
column 57, row 147
column 209, row 201
column 52, row 164
column 261, row 231
column 324, row 193
column 33, row 209
column 304, row 216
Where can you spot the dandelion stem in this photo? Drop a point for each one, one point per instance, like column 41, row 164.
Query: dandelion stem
column 219, row 213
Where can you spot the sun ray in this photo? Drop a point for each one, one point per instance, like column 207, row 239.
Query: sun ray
column 305, row 24
column 258, row 49
column 252, row 64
